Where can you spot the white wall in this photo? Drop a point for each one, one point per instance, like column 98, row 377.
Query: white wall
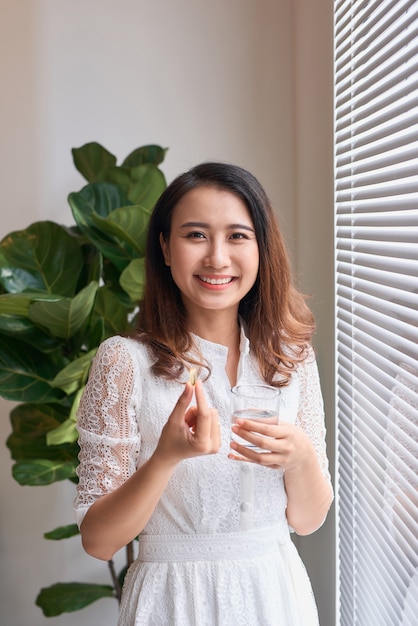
column 246, row 81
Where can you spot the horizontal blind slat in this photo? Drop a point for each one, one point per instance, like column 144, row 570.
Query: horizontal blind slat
column 388, row 232
column 390, row 256
column 395, row 219
column 407, row 202
column 367, row 160
column 387, row 132
column 405, row 134
column 380, row 88
column 391, row 311
column 354, row 174
column 358, row 190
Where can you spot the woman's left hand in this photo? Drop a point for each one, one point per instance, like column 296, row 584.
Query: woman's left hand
column 286, row 446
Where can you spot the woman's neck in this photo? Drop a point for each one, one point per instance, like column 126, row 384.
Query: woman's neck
column 225, row 332
column 218, row 329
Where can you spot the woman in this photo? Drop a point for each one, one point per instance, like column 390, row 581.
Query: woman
column 157, row 460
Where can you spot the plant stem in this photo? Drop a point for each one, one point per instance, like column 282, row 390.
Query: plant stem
column 115, row 580
column 129, row 560
column 130, row 553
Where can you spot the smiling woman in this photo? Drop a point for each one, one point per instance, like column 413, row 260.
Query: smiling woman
column 156, row 456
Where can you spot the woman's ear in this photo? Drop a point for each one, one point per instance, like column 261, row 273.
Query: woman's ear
column 165, row 248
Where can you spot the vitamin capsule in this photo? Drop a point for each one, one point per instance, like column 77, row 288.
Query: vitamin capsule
column 193, row 376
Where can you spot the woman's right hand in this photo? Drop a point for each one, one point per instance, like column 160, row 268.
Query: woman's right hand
column 190, row 431
column 118, row 517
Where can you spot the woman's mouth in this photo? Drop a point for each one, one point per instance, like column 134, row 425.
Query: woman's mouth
column 210, row 280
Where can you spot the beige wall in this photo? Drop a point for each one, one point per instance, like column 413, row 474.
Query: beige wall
column 314, row 244
column 247, row 81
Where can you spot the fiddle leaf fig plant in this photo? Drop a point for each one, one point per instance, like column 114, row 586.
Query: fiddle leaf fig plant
column 63, row 290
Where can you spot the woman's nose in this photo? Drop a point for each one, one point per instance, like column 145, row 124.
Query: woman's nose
column 217, row 256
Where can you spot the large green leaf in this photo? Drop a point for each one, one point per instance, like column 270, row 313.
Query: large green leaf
column 23, row 329
column 67, row 597
column 148, row 183
column 25, row 373
column 74, row 375
column 92, row 265
column 91, row 160
column 99, row 199
column 67, row 316
column 18, row 303
column 14, row 304
column 146, row 154
column 31, row 424
column 112, row 310
column 62, row 532
column 67, row 431
column 129, row 225
column 41, row 472
column 42, row 257
column 74, row 408
column 132, row 279
column 96, row 332
column 142, row 184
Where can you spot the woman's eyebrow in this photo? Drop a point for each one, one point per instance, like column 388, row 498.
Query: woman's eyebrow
column 206, row 225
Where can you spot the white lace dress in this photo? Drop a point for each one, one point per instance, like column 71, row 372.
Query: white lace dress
column 217, row 549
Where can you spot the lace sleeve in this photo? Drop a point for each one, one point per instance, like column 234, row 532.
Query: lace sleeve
column 109, row 439
column 310, row 415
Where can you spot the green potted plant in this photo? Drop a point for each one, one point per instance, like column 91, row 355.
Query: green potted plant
column 63, row 290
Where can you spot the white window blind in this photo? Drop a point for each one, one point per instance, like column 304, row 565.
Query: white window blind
column 376, row 199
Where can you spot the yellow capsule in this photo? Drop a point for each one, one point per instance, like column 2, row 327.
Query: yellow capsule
column 193, row 375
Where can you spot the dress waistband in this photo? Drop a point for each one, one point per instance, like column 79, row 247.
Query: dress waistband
column 211, row 547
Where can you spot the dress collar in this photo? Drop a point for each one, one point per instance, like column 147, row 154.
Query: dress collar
column 216, row 351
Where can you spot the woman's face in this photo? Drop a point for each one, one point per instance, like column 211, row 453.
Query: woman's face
column 212, row 250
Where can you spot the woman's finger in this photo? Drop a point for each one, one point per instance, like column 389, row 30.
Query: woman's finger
column 207, row 428
column 203, row 413
column 201, row 402
column 242, row 453
column 216, row 428
column 182, row 404
column 260, row 427
column 266, row 442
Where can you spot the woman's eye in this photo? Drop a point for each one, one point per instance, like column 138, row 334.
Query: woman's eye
column 239, row 236
column 195, row 235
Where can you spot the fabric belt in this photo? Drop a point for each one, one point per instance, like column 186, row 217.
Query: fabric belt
column 211, row 547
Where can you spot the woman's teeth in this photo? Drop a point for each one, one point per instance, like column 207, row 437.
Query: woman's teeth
column 215, row 281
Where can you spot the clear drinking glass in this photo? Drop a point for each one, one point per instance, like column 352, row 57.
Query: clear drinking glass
column 257, row 402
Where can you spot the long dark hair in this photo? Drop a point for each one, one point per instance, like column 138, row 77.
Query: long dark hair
column 276, row 319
